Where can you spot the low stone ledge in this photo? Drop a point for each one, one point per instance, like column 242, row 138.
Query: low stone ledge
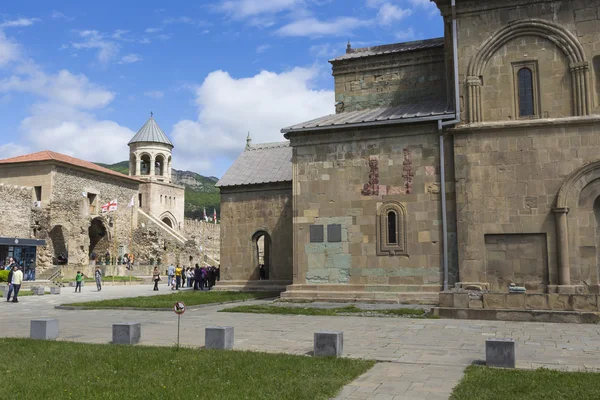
column 518, row 315
column 55, row 290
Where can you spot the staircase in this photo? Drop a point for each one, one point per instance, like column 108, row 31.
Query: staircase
column 164, row 227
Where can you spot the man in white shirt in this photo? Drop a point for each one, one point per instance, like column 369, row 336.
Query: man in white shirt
column 17, row 278
column 170, row 273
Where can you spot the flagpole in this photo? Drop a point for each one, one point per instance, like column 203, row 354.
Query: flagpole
column 115, row 245
column 131, row 243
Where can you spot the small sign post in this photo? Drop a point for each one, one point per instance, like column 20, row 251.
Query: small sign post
column 179, row 309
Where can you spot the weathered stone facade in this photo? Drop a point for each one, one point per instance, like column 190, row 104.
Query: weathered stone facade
column 207, row 236
column 16, row 200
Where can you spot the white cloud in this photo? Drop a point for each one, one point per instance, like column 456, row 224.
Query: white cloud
column 154, row 94
column 92, row 39
column 229, row 108
column 406, row 35
column 118, row 34
column 9, row 50
column 21, row 22
column 130, row 58
column 389, row 13
column 9, row 150
column 59, row 15
column 262, row 48
column 153, row 30
column 312, row 27
column 240, row 9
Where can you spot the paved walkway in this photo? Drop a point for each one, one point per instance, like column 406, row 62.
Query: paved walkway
column 423, row 358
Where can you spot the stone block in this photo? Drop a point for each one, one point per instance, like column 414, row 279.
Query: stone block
column 515, row 301
column 475, row 303
column 500, row 353
column 536, row 301
column 44, row 329
column 218, row 337
column 461, row 300
column 126, row 333
column 584, row 302
column 494, row 301
column 559, row 302
column 328, row 344
column 446, row 300
column 55, row 290
column 38, row 290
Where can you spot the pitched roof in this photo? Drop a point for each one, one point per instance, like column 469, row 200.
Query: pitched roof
column 151, row 132
column 260, row 163
column 377, row 116
column 48, row 155
column 390, row 48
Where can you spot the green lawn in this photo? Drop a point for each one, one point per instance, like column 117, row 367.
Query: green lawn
column 65, row 370
column 189, row 297
column 481, row 383
column 338, row 311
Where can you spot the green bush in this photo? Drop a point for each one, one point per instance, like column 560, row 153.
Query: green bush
column 4, row 276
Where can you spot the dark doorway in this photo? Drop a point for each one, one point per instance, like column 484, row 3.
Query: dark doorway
column 99, row 243
column 59, row 245
column 261, row 244
column 168, row 222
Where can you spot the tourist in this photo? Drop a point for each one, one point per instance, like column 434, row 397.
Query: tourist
column 262, row 272
column 183, row 277
column 190, row 277
column 173, row 283
column 98, row 276
column 78, row 281
column 170, row 273
column 9, row 280
column 156, row 278
column 197, row 276
column 178, row 270
column 16, row 279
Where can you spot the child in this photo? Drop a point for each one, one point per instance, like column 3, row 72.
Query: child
column 173, row 283
column 78, row 280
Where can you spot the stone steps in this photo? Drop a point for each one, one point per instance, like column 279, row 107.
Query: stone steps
column 362, row 297
column 252, row 286
column 367, row 288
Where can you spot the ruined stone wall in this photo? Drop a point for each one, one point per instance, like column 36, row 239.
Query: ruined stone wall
column 246, row 211
column 347, row 178
column 15, row 211
column 482, row 22
column 508, row 177
column 207, row 236
column 390, row 79
column 71, row 211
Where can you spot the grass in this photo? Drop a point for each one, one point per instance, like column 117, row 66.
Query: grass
column 481, row 383
column 338, row 311
column 189, row 297
column 105, row 279
column 65, row 370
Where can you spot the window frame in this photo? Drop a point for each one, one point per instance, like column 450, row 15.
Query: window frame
column 532, row 66
column 384, row 246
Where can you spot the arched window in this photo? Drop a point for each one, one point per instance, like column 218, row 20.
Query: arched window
column 391, row 229
column 526, row 102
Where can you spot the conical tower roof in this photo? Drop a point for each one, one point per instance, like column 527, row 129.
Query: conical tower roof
column 151, row 132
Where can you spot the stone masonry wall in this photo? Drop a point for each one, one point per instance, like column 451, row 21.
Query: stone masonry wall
column 507, row 183
column 336, row 182
column 207, row 235
column 266, row 208
column 390, row 80
column 15, row 211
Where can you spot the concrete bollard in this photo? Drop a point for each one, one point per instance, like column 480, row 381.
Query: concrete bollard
column 218, row 337
column 4, row 291
column 44, row 329
column 500, row 353
column 38, row 290
column 55, row 290
column 327, row 344
column 126, row 333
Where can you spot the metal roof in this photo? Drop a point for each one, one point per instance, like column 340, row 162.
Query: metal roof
column 377, row 116
column 260, row 163
column 390, row 48
column 151, row 132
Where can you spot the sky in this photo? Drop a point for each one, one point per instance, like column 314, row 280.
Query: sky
column 81, row 77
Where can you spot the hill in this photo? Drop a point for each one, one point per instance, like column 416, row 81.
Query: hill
column 200, row 191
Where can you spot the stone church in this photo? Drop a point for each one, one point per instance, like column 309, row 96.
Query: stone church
column 50, row 207
column 470, row 161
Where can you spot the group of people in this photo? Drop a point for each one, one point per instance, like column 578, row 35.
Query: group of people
column 15, row 278
column 27, row 269
column 199, row 277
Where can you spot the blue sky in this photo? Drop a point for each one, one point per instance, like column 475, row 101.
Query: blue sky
column 81, row 77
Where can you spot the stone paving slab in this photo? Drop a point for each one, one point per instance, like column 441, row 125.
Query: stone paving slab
column 417, row 349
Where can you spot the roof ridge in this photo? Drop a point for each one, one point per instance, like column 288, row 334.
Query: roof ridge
column 268, row 145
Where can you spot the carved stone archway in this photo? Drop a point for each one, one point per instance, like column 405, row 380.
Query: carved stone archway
column 561, row 37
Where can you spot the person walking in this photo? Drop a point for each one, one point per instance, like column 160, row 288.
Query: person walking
column 156, row 277
column 11, row 272
column 98, row 276
column 170, row 273
column 17, row 278
column 183, row 276
column 178, row 270
column 197, row 276
column 78, row 281
column 190, row 277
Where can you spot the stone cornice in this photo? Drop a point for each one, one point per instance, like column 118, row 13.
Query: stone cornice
column 525, row 124
column 479, row 6
column 387, row 61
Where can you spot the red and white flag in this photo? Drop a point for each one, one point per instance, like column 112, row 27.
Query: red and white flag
column 110, row 206
column 205, row 217
column 215, row 215
column 131, row 203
